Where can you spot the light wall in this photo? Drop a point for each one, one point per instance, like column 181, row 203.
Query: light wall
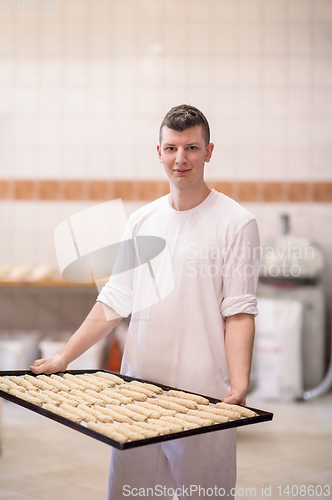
column 84, row 87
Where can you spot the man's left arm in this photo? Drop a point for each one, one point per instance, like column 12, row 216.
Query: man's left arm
column 239, row 307
column 239, row 341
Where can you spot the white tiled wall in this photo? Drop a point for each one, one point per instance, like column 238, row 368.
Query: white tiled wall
column 93, row 80
column 27, row 229
column 84, row 87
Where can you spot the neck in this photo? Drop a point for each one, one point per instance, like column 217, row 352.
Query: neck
column 186, row 199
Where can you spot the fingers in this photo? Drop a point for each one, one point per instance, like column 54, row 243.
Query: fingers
column 38, row 362
column 227, row 397
column 53, row 364
column 42, row 366
column 234, row 398
column 37, row 366
column 233, row 401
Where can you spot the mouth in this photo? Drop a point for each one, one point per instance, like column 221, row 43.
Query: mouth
column 182, row 171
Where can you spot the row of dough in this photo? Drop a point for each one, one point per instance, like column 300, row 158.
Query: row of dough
column 127, row 393
column 172, row 413
column 177, row 401
column 98, row 386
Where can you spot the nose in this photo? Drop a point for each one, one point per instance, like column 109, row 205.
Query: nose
column 180, row 156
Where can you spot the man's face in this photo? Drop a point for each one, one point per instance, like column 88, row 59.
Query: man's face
column 183, row 155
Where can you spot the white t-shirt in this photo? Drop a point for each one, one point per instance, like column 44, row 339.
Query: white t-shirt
column 214, row 255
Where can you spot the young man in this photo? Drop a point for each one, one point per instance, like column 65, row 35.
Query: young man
column 199, row 338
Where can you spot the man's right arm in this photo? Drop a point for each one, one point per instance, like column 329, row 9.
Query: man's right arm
column 94, row 328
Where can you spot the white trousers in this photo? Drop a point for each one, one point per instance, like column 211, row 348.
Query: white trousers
column 191, row 467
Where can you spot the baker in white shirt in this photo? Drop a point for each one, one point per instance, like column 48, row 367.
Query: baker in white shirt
column 200, row 336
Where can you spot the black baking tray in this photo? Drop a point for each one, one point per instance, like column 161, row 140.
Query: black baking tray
column 263, row 416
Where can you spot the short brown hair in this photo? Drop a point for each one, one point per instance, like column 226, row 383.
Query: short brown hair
column 183, row 117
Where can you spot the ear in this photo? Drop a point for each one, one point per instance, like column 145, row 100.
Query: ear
column 209, row 151
column 159, row 153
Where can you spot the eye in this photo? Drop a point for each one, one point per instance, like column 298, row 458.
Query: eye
column 192, row 147
column 170, row 148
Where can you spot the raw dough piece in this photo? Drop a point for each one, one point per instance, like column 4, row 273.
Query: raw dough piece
column 21, row 381
column 144, row 411
column 150, row 387
column 4, row 387
column 159, row 409
column 40, row 383
column 103, row 396
column 145, row 433
column 57, row 398
column 67, row 400
column 110, row 376
column 54, row 383
column 71, row 398
column 168, row 405
column 97, row 414
column 26, row 397
column 243, row 411
column 81, row 383
column 88, row 398
column 221, row 419
column 149, row 426
column 100, row 380
column 186, row 395
column 202, row 422
column 102, row 409
column 233, row 415
column 138, row 388
column 120, row 397
column 132, row 394
column 172, row 428
column 129, row 433
column 129, row 413
column 43, row 397
column 12, row 385
column 78, row 411
column 109, row 431
column 187, row 403
column 65, row 385
column 118, row 417
column 91, row 379
column 60, row 411
column 184, row 423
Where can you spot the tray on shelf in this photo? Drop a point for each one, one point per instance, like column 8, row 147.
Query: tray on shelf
column 262, row 416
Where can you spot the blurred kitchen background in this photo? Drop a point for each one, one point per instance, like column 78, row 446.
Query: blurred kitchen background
column 83, row 88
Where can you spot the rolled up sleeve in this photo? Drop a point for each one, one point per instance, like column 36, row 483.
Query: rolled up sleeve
column 240, row 272
column 117, row 293
column 117, row 297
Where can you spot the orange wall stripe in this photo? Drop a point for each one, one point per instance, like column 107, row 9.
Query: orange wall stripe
column 101, row 190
